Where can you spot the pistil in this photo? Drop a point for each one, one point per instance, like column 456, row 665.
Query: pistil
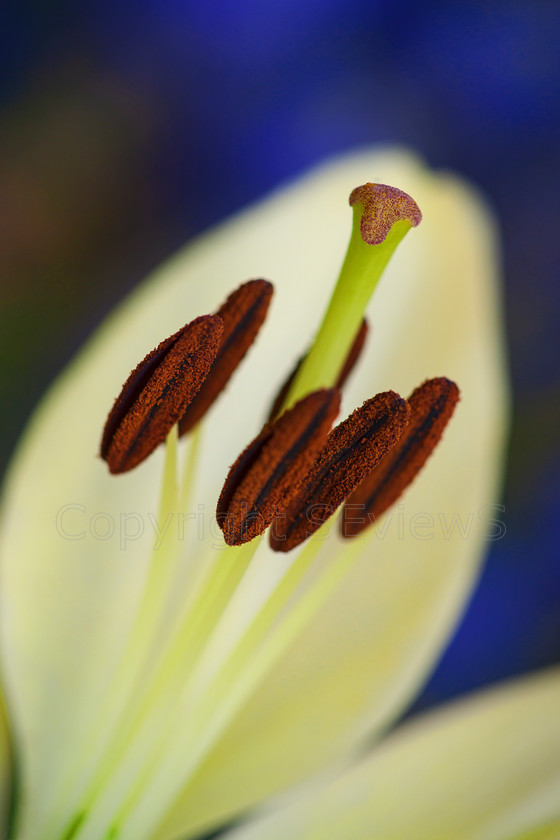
column 383, row 215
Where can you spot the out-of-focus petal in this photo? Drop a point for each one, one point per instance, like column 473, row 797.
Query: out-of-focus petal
column 485, row 768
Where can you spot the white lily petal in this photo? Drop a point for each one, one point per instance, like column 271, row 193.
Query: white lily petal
column 366, row 652
column 67, row 603
column 485, row 768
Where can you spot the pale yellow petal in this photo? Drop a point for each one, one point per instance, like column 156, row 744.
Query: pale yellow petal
column 486, row 768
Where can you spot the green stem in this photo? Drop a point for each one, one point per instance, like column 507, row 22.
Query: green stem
column 360, row 273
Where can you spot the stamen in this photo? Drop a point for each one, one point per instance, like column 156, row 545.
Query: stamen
column 351, row 359
column 155, row 395
column 352, row 450
column 271, row 469
column 383, row 206
column 354, row 354
column 242, row 314
column 432, row 405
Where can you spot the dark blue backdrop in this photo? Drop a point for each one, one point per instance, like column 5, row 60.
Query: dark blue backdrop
column 120, row 118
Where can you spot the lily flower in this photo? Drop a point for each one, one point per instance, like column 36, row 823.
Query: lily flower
column 159, row 683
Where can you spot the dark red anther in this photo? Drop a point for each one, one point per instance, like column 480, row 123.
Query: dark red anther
column 352, row 450
column 347, row 368
column 271, row 469
column 242, row 315
column 155, row 395
column 432, row 405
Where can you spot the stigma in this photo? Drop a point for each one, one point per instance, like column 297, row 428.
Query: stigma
column 382, row 207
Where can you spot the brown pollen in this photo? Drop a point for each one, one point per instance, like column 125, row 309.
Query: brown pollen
column 155, row 395
column 382, row 207
column 242, row 315
column 432, row 405
column 352, row 450
column 271, row 469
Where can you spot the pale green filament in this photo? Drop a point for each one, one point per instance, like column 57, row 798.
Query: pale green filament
column 169, row 490
column 192, row 457
column 137, row 650
column 361, row 270
column 549, row 831
column 211, row 703
column 148, row 728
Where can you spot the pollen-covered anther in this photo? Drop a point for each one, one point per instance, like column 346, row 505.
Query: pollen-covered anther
column 156, row 393
column 242, row 315
column 382, row 207
column 347, row 368
column 271, row 469
column 432, row 405
column 352, row 450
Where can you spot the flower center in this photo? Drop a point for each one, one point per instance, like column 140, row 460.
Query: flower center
column 180, row 379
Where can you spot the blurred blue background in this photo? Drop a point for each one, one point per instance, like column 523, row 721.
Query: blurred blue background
column 118, row 121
